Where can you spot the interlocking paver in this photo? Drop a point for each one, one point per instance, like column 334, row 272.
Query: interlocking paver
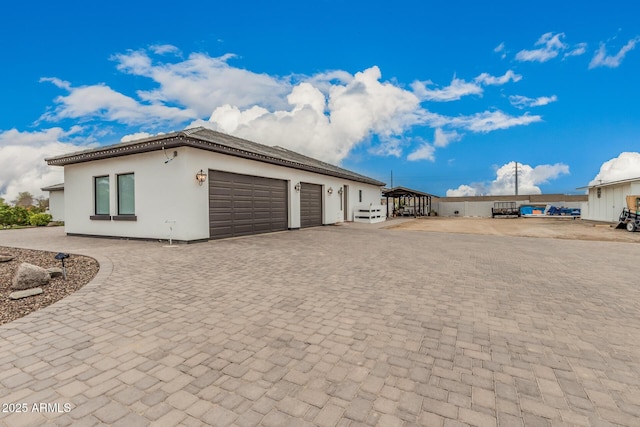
column 310, row 329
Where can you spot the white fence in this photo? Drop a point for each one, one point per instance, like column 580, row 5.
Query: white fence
column 369, row 214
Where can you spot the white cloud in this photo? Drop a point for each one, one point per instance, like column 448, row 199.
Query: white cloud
column 625, row 166
column 324, row 115
column 138, row 135
column 388, row 147
column 456, row 90
column 487, row 79
column 103, row 103
column 202, row 83
column 519, row 101
column 459, row 88
column 487, row 121
column 529, row 179
column 162, row 49
column 326, row 125
column 424, row 152
column 442, row 138
column 552, row 45
column 57, row 82
column 465, row 191
column 501, row 50
column 579, row 49
column 601, row 59
column 22, row 157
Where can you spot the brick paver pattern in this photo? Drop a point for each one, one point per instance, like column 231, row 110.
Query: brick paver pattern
column 332, row 326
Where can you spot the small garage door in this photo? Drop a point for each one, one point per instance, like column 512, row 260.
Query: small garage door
column 241, row 205
column 310, row 205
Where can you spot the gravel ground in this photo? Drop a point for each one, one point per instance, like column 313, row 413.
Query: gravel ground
column 80, row 271
column 555, row 228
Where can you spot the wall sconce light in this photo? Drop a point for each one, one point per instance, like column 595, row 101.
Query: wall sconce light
column 201, row 177
column 599, row 192
column 297, row 187
column 330, row 190
column 340, row 191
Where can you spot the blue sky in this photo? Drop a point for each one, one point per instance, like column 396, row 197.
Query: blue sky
column 445, row 96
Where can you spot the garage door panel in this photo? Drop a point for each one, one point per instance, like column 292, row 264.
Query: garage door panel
column 310, row 205
column 220, row 217
column 241, row 205
column 264, row 216
column 243, row 229
column 262, row 206
column 242, row 191
column 221, row 232
column 263, row 227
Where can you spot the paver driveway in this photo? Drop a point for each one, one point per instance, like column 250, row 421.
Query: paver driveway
column 346, row 325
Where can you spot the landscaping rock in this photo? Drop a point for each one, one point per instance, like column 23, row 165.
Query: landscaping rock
column 6, row 257
column 25, row 293
column 29, row 276
column 54, row 271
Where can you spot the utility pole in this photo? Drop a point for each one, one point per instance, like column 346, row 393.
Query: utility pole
column 391, row 179
column 516, row 178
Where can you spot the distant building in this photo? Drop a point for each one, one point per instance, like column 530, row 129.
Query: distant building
column 56, row 201
column 607, row 199
column 480, row 206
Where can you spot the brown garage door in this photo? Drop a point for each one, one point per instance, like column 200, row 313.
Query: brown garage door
column 310, row 205
column 240, row 205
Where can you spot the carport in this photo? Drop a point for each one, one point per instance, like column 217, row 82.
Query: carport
column 414, row 202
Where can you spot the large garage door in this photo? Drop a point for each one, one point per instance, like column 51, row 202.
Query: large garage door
column 240, row 205
column 310, row 205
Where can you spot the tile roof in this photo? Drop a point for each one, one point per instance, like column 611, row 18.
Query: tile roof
column 211, row 140
column 54, row 187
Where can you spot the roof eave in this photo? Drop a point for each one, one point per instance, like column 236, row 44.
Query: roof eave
column 606, row 184
column 182, row 139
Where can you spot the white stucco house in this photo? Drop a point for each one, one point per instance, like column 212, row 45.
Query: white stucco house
column 607, row 199
column 56, row 201
column 199, row 184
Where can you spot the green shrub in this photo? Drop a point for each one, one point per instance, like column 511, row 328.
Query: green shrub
column 40, row 219
column 20, row 216
column 6, row 216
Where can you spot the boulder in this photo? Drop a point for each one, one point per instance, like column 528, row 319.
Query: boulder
column 29, row 276
column 25, row 293
column 54, row 271
column 6, row 257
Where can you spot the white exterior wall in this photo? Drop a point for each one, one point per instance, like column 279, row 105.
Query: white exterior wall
column 466, row 208
column 56, row 205
column 170, row 192
column 448, row 208
column 613, row 198
column 162, row 192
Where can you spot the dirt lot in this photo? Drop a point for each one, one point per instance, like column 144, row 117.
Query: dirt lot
column 556, row 228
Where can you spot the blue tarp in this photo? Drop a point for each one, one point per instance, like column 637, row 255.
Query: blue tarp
column 552, row 210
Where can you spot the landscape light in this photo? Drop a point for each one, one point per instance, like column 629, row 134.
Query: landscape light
column 62, row 256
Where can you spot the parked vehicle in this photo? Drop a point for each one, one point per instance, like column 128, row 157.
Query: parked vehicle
column 630, row 220
column 504, row 209
column 630, row 216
